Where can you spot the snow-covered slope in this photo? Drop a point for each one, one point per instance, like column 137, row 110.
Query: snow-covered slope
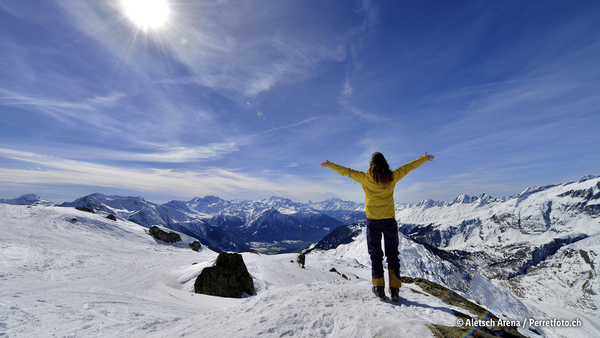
column 95, row 277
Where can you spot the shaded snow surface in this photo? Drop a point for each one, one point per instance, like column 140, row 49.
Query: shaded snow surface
column 95, row 277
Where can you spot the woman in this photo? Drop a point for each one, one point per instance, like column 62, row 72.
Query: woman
column 379, row 183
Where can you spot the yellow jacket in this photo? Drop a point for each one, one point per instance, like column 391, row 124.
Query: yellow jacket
column 379, row 201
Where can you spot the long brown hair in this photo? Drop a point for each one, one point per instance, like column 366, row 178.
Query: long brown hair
column 380, row 169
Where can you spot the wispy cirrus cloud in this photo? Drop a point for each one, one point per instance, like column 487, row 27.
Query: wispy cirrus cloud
column 12, row 98
column 180, row 154
column 58, row 108
column 310, row 119
column 82, row 114
column 152, row 153
column 48, row 170
column 107, row 101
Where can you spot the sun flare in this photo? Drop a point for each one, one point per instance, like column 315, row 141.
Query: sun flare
column 147, row 13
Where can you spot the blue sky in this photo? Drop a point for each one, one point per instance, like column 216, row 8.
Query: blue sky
column 244, row 99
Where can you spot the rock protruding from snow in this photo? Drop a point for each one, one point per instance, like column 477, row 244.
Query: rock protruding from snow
column 229, row 277
column 167, row 237
column 195, row 245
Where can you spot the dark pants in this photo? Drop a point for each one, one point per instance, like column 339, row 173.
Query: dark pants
column 389, row 229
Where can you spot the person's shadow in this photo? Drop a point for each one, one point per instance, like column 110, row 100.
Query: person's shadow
column 409, row 303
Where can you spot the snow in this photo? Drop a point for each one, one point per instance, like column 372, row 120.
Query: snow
column 572, row 268
column 101, row 278
column 95, row 277
column 590, row 325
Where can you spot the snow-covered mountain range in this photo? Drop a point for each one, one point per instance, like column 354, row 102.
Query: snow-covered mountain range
column 539, row 243
column 524, row 255
column 273, row 225
column 67, row 272
column 346, row 211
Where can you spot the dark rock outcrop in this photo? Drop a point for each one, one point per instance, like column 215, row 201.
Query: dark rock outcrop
column 112, row 217
column 227, row 278
column 195, row 245
column 452, row 298
column 86, row 209
column 167, row 237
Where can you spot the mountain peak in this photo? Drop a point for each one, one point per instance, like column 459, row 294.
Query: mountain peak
column 463, row 199
column 27, row 199
column 30, row 197
column 208, row 204
column 208, row 199
column 116, row 197
column 279, row 199
column 587, row 177
column 428, row 203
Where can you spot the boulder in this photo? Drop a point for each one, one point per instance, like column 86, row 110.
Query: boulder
column 195, row 245
column 167, row 237
column 86, row 209
column 227, row 278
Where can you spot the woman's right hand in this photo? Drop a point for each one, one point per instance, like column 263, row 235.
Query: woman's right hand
column 429, row 157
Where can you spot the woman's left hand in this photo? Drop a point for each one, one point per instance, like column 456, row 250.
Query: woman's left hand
column 324, row 164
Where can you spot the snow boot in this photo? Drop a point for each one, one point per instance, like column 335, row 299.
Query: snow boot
column 395, row 292
column 379, row 291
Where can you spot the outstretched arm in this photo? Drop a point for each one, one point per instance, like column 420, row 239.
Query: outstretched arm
column 405, row 169
column 356, row 175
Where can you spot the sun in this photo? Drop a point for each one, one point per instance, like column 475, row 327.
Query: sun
column 147, row 13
